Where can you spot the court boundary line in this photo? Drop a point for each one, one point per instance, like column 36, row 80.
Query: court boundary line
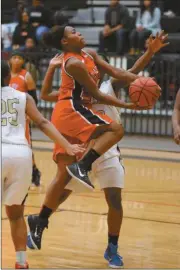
column 145, row 202
column 98, row 214
column 33, row 192
column 122, row 146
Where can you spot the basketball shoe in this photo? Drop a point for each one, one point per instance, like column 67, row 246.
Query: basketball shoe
column 80, row 174
column 112, row 256
column 36, row 226
column 20, row 266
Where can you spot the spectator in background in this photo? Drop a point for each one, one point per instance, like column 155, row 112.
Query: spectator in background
column 147, row 22
column 7, row 31
column 40, row 18
column 116, row 27
column 30, row 44
column 22, row 31
column 31, row 58
column 19, row 10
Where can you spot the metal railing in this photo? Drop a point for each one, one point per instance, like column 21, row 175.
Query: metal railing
column 164, row 68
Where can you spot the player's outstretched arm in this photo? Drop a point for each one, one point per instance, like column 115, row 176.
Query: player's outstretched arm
column 46, row 91
column 49, row 129
column 154, row 45
column 176, row 119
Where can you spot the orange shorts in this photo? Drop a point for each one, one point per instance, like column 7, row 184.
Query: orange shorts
column 76, row 122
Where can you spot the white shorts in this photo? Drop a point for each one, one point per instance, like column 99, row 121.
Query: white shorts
column 16, row 173
column 108, row 171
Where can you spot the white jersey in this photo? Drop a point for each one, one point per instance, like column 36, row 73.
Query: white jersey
column 13, row 117
column 112, row 112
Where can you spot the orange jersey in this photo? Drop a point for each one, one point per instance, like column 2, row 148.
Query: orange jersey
column 19, row 81
column 72, row 89
column 73, row 120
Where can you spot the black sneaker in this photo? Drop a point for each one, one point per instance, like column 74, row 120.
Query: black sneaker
column 36, row 176
column 36, row 226
column 80, row 174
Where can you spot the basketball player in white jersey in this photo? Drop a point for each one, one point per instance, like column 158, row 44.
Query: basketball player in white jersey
column 107, row 170
column 17, row 157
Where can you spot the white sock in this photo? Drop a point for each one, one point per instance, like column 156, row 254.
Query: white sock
column 21, row 257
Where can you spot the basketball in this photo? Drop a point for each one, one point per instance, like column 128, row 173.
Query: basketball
column 145, row 91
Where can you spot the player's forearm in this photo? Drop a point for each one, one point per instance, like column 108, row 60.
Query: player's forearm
column 126, row 77
column 51, row 97
column 109, row 100
column 48, row 128
column 142, row 62
column 47, row 83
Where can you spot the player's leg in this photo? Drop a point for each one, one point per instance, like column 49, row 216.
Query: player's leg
column 115, row 212
column 54, row 196
column 114, row 221
column 110, row 174
column 42, row 220
column 15, row 215
column 106, row 136
column 61, row 180
column 19, row 159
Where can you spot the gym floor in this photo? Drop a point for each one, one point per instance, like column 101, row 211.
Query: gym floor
column 77, row 233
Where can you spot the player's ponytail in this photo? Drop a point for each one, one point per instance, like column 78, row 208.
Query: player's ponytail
column 54, row 36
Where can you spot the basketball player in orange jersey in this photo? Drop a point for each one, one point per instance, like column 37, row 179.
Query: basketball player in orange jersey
column 55, row 189
column 176, row 119
column 22, row 80
column 80, row 75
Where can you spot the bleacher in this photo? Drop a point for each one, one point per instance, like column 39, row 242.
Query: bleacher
column 90, row 20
